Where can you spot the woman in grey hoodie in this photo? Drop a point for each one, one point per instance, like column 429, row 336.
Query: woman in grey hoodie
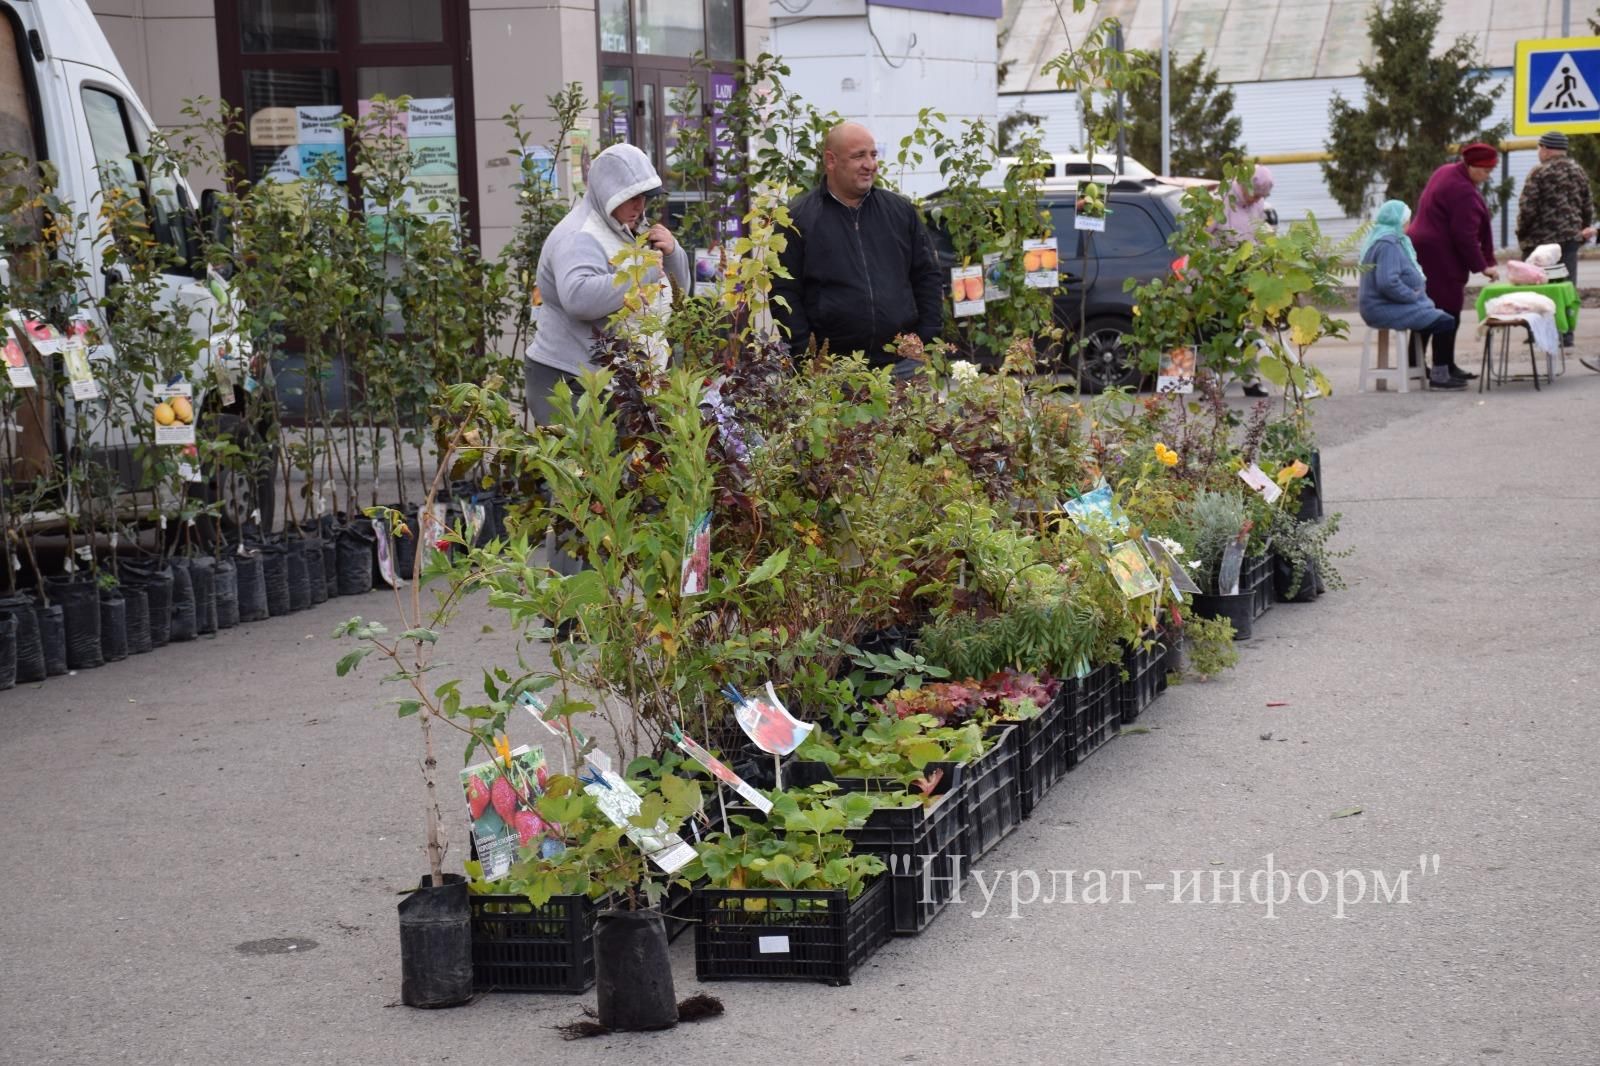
column 577, row 282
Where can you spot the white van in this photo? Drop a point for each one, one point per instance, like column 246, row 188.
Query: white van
column 64, row 99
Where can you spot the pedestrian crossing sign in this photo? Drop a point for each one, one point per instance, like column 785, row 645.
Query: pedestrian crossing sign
column 1557, row 86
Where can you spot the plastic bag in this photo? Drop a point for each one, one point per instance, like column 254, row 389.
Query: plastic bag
column 1520, row 273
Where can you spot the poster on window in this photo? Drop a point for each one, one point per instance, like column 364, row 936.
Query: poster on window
column 322, row 160
column 433, row 155
column 285, row 168
column 320, row 124
column 433, row 197
column 274, row 127
column 368, row 125
column 432, row 116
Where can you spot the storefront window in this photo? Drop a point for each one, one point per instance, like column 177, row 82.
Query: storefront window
column 722, row 30
column 669, row 27
column 401, row 21
column 278, row 104
column 287, row 26
column 613, row 25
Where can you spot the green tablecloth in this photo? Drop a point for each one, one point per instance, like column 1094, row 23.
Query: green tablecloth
column 1562, row 293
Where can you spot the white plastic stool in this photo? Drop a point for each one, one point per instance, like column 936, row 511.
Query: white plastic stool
column 1394, row 370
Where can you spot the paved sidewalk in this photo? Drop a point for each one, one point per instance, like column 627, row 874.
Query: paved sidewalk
column 163, row 811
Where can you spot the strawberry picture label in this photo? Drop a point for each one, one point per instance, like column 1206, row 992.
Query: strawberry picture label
column 501, row 802
column 767, row 722
column 696, row 557
column 17, row 368
column 45, row 338
column 719, row 770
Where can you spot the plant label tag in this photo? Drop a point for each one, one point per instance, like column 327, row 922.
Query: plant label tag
column 772, row 945
column 173, row 413
column 1258, row 480
column 474, row 515
column 1089, row 222
column 17, row 368
column 721, row 772
column 992, row 289
column 189, row 467
column 707, row 271
column 430, row 532
column 44, row 337
column 769, row 725
column 380, row 529
column 620, row 803
column 1178, row 573
column 966, row 291
column 696, row 570
column 1095, row 513
column 1040, row 264
column 75, row 354
column 85, row 552
column 504, row 818
column 561, row 727
column 1177, row 371
column 1132, row 571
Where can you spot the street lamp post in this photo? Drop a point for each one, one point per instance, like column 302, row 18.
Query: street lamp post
column 1166, row 89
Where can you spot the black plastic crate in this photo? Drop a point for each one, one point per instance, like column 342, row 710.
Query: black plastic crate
column 777, row 935
column 1256, row 577
column 1147, row 678
column 924, row 848
column 517, row 947
column 993, row 798
column 1096, row 714
column 1042, row 747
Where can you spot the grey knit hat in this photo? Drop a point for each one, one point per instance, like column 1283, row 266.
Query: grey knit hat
column 1555, row 140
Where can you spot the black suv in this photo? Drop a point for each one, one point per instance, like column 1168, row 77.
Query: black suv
column 1143, row 217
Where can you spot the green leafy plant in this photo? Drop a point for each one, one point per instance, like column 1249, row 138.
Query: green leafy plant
column 1210, row 645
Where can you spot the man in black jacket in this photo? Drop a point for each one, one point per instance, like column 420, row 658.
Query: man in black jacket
column 862, row 268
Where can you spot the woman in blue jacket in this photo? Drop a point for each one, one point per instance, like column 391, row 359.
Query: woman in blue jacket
column 1393, row 293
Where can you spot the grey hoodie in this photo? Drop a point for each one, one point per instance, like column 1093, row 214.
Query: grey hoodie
column 576, row 279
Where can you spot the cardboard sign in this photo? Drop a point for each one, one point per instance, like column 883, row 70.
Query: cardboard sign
column 1177, row 371
column 501, row 806
column 720, row 770
column 1258, row 480
column 966, row 290
column 767, row 723
column 696, row 557
column 1041, row 263
column 173, row 413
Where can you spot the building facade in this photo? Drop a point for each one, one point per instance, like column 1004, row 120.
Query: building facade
column 293, row 66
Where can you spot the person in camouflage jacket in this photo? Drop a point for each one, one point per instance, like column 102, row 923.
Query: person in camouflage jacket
column 1556, row 206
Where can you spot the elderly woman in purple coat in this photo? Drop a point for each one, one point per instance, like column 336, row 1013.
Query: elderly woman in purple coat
column 1453, row 239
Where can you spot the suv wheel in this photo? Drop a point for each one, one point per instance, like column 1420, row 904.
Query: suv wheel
column 1106, row 360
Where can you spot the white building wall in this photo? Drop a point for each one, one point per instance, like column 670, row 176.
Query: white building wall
column 1278, row 117
column 927, row 59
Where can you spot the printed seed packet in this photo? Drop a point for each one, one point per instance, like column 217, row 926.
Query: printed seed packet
column 380, row 529
column 80, row 376
column 45, row 338
column 1132, row 570
column 767, row 722
column 966, row 290
column 501, row 806
column 174, row 413
column 1095, row 513
column 620, row 804
column 697, row 557
column 992, row 289
column 1041, row 263
column 707, row 271
column 1177, row 371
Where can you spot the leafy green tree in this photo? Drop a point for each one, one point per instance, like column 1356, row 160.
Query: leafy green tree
column 1417, row 106
column 1586, row 150
column 1204, row 128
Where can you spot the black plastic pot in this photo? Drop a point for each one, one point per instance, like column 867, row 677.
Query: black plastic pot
column 113, row 625
column 1237, row 609
column 225, row 580
column 357, row 550
column 632, row 974
column 80, row 610
column 1311, row 492
column 138, row 615
column 30, row 651
column 203, row 575
column 184, row 626
column 1283, row 579
column 436, row 944
column 252, row 586
column 155, row 577
column 330, row 565
column 275, row 574
column 316, row 577
column 8, row 652
column 298, row 579
column 52, row 637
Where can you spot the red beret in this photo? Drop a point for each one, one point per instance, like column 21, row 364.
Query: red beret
column 1479, row 155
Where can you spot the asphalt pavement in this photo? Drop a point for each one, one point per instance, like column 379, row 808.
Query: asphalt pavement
column 208, row 841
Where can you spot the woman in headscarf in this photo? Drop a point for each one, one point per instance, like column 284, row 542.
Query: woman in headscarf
column 578, row 283
column 1453, row 238
column 1393, row 293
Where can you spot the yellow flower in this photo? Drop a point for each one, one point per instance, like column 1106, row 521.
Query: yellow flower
column 1292, row 471
column 1165, row 455
column 502, row 748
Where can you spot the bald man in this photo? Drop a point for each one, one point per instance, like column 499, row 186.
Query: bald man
column 861, row 268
